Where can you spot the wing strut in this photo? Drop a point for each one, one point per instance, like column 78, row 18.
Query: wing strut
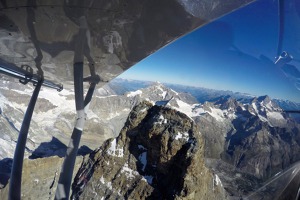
column 25, row 75
column 82, row 105
column 16, row 172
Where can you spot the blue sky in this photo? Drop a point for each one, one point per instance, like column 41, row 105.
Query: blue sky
column 236, row 52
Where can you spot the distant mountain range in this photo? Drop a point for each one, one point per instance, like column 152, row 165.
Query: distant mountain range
column 121, row 86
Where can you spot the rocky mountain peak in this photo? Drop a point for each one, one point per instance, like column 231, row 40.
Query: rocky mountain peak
column 159, row 88
column 157, row 84
column 159, row 94
column 228, row 102
column 266, row 102
column 158, row 154
column 265, row 99
column 106, row 90
column 253, row 100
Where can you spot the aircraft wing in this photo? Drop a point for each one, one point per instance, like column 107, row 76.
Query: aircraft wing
column 44, row 33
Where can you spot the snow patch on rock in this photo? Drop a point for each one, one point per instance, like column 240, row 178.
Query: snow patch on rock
column 129, row 173
column 218, row 181
column 135, row 93
column 114, row 150
column 217, row 114
column 184, row 136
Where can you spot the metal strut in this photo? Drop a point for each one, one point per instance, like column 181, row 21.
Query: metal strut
column 65, row 178
column 25, row 75
column 16, row 173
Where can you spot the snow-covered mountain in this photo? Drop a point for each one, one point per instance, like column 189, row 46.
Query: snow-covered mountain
column 160, row 94
column 54, row 117
column 287, row 105
column 202, row 95
column 55, row 112
column 235, row 132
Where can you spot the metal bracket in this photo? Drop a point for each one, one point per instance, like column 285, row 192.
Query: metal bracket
column 25, row 75
column 28, row 75
column 92, row 79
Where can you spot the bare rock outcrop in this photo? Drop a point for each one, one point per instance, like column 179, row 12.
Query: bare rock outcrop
column 159, row 154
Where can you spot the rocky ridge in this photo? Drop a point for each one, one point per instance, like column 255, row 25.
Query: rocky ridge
column 159, row 154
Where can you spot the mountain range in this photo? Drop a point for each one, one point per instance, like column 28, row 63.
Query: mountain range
column 243, row 141
column 120, row 86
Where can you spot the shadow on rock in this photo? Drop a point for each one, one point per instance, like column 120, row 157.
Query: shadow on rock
column 84, row 150
column 47, row 149
column 5, row 169
column 55, row 148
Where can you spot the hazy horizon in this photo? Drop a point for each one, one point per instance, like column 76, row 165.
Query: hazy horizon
column 200, row 87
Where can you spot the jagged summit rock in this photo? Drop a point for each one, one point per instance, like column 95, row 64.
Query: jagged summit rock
column 158, row 155
column 106, row 90
column 265, row 99
column 229, row 103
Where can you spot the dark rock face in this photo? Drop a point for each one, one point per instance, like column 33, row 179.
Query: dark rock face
column 5, row 169
column 158, row 155
column 261, row 144
column 262, row 150
column 254, row 141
